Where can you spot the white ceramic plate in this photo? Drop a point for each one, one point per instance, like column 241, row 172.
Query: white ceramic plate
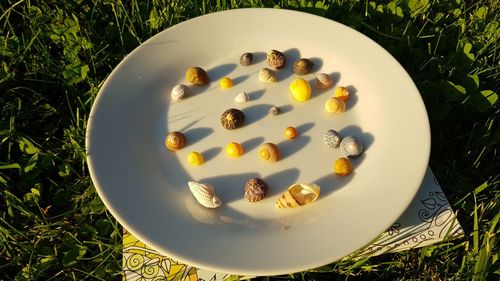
column 145, row 186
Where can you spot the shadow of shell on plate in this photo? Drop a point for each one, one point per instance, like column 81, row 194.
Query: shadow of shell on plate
column 298, row 194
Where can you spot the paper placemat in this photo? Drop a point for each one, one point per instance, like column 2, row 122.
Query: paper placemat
column 428, row 220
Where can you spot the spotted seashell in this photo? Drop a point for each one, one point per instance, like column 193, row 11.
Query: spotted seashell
column 204, row 194
column 179, row 92
column 274, row 110
column 246, row 59
column 241, row 97
column 351, row 147
column 323, row 81
column 276, row 59
column 302, row 66
column 331, row 138
column 267, row 75
column 298, row 194
column 255, row 190
column 232, row 119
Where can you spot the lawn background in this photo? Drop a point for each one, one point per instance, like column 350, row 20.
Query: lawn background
column 55, row 55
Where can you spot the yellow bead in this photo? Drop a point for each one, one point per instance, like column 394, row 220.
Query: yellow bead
column 301, row 90
column 195, row 158
column 334, row 105
column 226, row 82
column 234, row 149
column 291, row 133
column 342, row 167
column 342, row 93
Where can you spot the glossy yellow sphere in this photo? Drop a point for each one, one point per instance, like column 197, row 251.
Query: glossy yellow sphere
column 226, row 83
column 234, row 149
column 291, row 133
column 195, row 158
column 301, row 90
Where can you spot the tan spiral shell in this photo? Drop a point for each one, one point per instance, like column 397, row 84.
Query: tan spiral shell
column 267, row 75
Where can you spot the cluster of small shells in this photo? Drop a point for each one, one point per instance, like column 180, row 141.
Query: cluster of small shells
column 255, row 189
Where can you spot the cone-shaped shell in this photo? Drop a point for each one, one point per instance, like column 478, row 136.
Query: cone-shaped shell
column 241, row 97
column 298, row 194
column 204, row 194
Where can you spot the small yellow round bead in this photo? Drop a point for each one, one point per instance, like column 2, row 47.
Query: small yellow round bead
column 291, row 133
column 234, row 149
column 342, row 93
column 195, row 158
column 226, row 82
column 301, row 90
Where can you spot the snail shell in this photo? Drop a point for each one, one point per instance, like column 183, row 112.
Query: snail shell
column 179, row 91
column 175, row 141
column 269, row 152
column 276, row 59
column 298, row 194
column 342, row 167
column 334, row 105
column 196, row 75
column 351, row 147
column 241, row 97
column 323, row 81
column 232, row 118
column 331, row 138
column 267, row 75
column 204, row 194
column 255, row 190
column 246, row 59
column 342, row 93
column 274, row 110
column 302, row 66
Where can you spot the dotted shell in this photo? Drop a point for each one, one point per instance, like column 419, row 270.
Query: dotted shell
column 204, row 194
column 351, row 147
column 179, row 92
column 274, row 110
column 255, row 190
column 269, row 152
column 276, row 59
column 246, row 59
column 175, row 141
column 331, row 138
column 232, row 118
column 267, row 75
column 302, row 66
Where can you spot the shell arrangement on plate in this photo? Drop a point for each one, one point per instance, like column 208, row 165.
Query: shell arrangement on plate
column 233, row 119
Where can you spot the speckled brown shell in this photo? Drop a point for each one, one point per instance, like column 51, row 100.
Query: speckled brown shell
column 246, row 59
column 196, row 75
column 232, row 119
column 302, row 66
column 255, row 190
column 175, row 141
column 276, row 59
column 274, row 110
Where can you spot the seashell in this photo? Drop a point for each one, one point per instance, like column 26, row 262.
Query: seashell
column 276, row 59
column 334, row 105
column 178, row 92
column 323, row 81
column 291, row 133
column 342, row 93
column 298, row 194
column 302, row 66
column 255, row 190
column 342, row 167
column 196, row 75
column 267, row 75
column 234, row 149
column 331, row 138
column 274, row 110
column 246, row 59
column 301, row 90
column 269, row 152
column 226, row 83
column 175, row 141
column 204, row 194
column 232, row 118
column 351, row 147
column 195, row 158
column 241, row 97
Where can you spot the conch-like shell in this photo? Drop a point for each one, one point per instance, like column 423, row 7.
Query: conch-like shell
column 204, row 194
column 298, row 194
column 267, row 75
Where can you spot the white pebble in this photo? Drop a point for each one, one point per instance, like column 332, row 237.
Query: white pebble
column 179, row 91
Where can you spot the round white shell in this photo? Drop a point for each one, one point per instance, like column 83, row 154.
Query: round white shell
column 204, row 194
column 241, row 97
column 267, row 75
column 179, row 92
column 350, row 146
column 323, row 81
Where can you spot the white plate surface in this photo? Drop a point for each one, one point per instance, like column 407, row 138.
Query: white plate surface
column 145, row 186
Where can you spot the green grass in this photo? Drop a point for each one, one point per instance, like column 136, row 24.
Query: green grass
column 56, row 54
